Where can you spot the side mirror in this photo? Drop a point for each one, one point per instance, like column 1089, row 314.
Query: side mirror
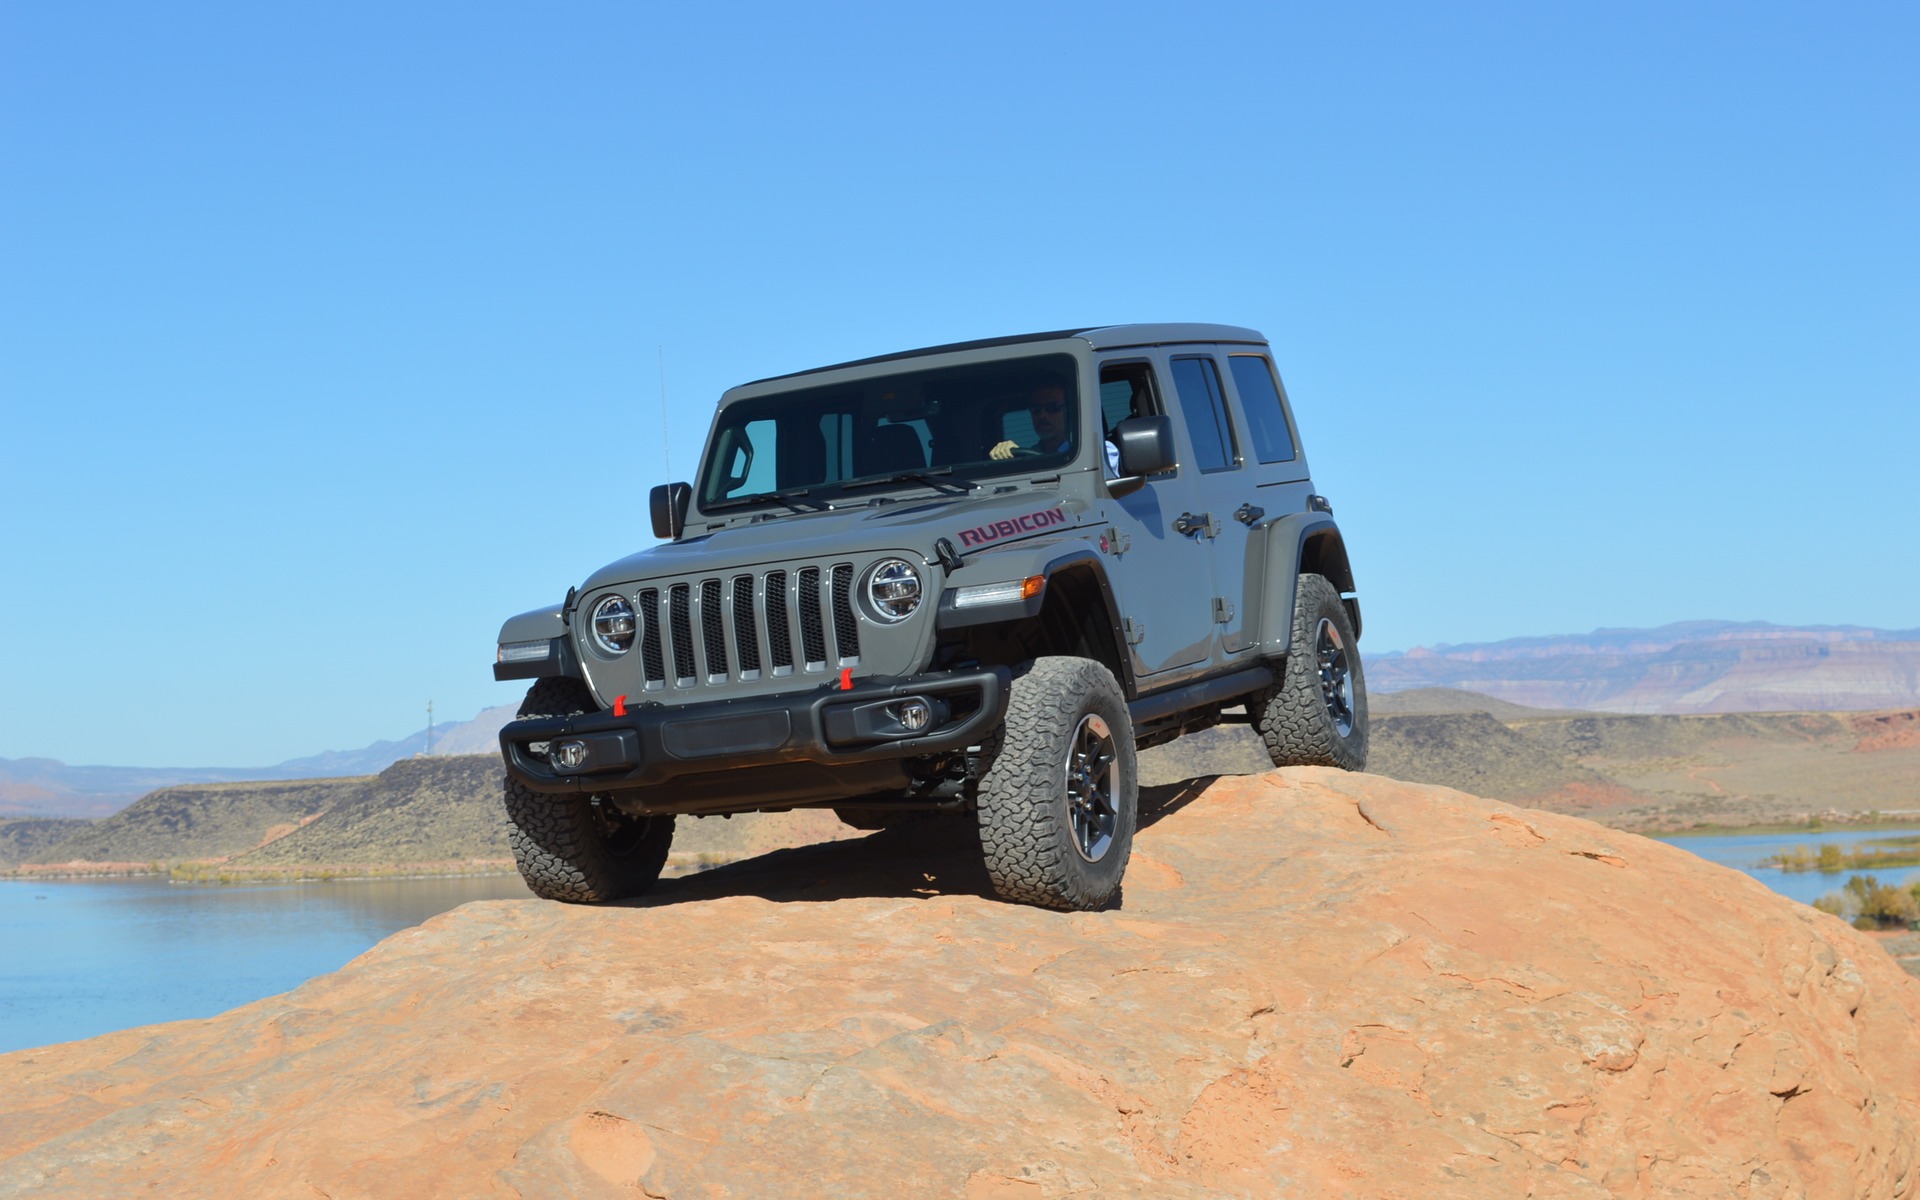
column 1146, row 448
column 668, row 502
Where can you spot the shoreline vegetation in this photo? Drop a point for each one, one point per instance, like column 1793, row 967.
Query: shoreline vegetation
column 1866, row 903
column 1834, row 859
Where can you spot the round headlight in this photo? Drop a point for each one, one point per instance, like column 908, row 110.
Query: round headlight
column 613, row 624
column 893, row 589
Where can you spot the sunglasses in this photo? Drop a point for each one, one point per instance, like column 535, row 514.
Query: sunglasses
column 1050, row 406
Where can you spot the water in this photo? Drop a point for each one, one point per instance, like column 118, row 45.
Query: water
column 1745, row 851
column 82, row 957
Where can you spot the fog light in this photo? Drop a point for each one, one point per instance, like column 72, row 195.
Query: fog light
column 567, row 756
column 914, row 715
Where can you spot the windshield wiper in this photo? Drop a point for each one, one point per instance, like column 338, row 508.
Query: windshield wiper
column 940, row 479
column 792, row 498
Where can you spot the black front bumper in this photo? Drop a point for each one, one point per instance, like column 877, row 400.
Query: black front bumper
column 655, row 744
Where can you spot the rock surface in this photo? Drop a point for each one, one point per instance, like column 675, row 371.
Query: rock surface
column 1317, row 985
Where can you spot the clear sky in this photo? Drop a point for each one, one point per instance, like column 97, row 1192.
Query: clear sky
column 331, row 335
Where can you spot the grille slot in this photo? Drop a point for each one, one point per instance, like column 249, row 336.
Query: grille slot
column 846, row 631
column 713, row 625
column 745, row 633
column 680, row 604
column 813, row 634
column 779, row 639
column 651, row 661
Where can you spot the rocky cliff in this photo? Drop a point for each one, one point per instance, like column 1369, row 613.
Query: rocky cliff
column 1316, row 985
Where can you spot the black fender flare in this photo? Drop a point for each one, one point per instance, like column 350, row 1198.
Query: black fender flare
column 1299, row 543
column 1080, row 559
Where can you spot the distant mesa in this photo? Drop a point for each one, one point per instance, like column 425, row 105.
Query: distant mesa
column 1690, row 667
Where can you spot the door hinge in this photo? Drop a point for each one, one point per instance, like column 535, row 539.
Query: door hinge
column 1191, row 523
column 1222, row 611
column 1135, row 631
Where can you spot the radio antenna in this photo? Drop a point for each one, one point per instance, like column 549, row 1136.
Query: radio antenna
column 666, row 456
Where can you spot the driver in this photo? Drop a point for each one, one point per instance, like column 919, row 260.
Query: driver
column 1047, row 405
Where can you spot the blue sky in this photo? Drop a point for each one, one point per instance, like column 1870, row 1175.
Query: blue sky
column 332, row 335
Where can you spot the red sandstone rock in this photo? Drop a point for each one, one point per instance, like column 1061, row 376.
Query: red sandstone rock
column 1318, row 985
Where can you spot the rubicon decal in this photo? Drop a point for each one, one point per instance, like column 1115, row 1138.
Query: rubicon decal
column 1026, row 523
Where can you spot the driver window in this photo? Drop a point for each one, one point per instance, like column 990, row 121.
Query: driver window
column 1126, row 390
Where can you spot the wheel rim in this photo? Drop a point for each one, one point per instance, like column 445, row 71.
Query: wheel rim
column 1336, row 680
column 1093, row 779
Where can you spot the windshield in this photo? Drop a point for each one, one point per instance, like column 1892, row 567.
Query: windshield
column 1010, row 417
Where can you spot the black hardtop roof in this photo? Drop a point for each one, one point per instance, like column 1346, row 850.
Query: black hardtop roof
column 1103, row 337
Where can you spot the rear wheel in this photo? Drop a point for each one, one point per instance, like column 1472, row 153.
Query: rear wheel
column 1060, row 800
column 578, row 847
column 1317, row 713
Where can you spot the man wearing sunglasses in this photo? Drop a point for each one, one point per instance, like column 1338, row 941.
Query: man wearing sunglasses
column 1047, row 406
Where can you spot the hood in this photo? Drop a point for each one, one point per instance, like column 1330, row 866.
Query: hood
column 971, row 522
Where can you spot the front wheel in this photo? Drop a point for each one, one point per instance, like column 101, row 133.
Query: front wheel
column 576, row 847
column 1058, row 805
column 1316, row 715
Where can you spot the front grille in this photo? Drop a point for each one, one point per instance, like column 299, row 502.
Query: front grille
column 727, row 629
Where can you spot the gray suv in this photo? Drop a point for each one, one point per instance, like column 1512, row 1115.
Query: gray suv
column 973, row 578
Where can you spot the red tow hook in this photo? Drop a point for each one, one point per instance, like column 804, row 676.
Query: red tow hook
column 846, row 679
column 619, row 706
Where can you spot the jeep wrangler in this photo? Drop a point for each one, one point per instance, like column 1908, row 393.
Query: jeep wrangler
column 974, row 578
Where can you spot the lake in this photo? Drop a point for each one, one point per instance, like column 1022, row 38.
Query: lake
column 1743, row 852
column 80, row 958
column 84, row 957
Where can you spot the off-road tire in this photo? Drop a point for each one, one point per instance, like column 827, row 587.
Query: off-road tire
column 1299, row 717
column 577, row 847
column 1026, row 804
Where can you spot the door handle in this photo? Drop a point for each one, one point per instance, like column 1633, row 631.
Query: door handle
column 1247, row 514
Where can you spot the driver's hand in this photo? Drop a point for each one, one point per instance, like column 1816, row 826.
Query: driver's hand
column 1004, row 450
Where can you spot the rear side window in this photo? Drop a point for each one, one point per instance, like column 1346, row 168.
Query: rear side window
column 1260, row 404
column 1204, row 407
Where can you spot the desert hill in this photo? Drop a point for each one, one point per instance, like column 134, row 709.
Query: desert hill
column 433, row 814
column 1436, row 701
column 200, row 821
column 1316, row 985
column 1690, row 667
column 417, row 810
column 45, row 787
column 26, row 839
column 1648, row 772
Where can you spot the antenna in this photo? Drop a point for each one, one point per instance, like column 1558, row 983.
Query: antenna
column 666, row 459
column 429, row 727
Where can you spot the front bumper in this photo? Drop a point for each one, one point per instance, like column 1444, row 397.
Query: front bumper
column 656, row 744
